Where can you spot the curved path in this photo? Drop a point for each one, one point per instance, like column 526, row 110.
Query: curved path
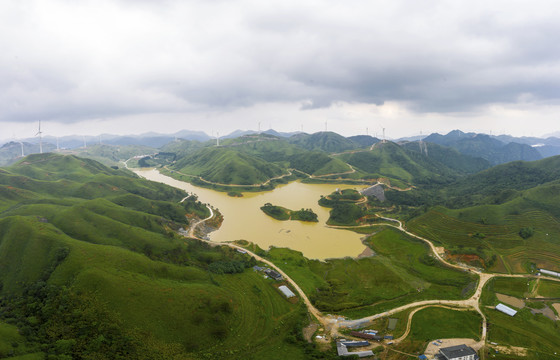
column 333, row 323
column 312, row 309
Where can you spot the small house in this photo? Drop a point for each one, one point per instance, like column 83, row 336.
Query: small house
column 273, row 274
column 458, row 352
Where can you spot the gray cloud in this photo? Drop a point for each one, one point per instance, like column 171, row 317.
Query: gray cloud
column 73, row 61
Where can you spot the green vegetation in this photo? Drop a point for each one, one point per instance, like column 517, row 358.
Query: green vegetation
column 549, row 289
column 398, row 275
column 91, row 267
column 281, row 213
column 227, row 166
column 535, row 332
column 434, row 323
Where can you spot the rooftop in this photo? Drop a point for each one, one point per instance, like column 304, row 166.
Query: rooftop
column 506, row 309
column 457, row 351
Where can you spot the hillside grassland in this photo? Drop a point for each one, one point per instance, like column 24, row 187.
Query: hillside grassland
column 532, row 331
column 434, row 323
column 401, row 272
column 488, row 230
column 68, row 257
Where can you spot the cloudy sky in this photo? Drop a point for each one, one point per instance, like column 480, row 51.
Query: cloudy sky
column 124, row 66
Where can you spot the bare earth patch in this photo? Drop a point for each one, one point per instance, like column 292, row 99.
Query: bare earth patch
column 556, row 307
column 510, row 300
column 309, row 330
column 511, row 350
column 368, row 252
column 440, row 250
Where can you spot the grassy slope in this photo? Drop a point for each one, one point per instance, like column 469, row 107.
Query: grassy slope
column 391, row 160
column 220, row 309
column 227, row 166
column 501, row 225
column 360, row 287
column 535, row 332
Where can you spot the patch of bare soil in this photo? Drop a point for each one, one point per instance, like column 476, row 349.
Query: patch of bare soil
column 510, row 350
column 440, row 250
column 309, row 330
column 510, row 300
column 556, row 307
column 546, row 311
column 368, row 252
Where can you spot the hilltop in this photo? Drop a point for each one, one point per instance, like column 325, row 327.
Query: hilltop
column 88, row 255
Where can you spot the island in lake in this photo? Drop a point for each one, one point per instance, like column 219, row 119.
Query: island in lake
column 283, row 214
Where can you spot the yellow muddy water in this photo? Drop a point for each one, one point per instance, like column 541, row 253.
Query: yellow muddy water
column 243, row 218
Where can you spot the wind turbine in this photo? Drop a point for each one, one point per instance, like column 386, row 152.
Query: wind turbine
column 57, row 147
column 325, row 126
column 217, row 138
column 40, row 133
column 85, row 144
column 22, row 155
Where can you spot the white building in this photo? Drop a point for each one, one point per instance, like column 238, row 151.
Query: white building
column 506, row 309
column 286, row 291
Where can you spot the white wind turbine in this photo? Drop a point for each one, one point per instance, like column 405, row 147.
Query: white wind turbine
column 40, row 133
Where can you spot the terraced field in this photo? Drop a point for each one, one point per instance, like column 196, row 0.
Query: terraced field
column 542, row 250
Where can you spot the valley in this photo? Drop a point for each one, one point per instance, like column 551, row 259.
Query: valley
column 433, row 239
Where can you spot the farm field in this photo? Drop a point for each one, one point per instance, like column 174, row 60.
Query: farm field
column 513, row 253
column 535, row 332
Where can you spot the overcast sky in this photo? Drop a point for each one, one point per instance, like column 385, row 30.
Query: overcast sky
column 125, row 66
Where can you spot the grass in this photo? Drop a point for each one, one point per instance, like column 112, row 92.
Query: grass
column 13, row 344
column 549, row 289
column 456, row 230
column 535, row 332
column 121, row 253
column 398, row 275
column 434, row 323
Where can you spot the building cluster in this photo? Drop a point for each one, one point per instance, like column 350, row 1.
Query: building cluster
column 269, row 272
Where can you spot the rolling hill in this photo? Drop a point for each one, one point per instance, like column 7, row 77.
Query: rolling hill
column 326, row 141
column 91, row 267
column 227, row 166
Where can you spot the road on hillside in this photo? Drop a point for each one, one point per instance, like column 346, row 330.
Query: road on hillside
column 333, row 323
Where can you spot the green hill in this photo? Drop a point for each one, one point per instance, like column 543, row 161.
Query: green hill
column 102, row 274
column 227, row 166
column 325, row 141
column 391, row 160
column 449, row 157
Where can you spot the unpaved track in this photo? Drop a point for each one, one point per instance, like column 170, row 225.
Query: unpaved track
column 332, row 323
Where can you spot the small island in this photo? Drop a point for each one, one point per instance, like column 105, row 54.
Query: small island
column 283, row 214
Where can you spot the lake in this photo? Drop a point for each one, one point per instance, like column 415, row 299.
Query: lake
column 243, row 218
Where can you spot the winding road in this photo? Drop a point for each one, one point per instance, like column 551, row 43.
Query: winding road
column 333, row 323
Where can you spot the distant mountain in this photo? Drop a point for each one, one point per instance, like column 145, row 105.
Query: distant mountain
column 325, row 141
column 448, row 156
column 364, row 140
column 238, row 133
column 486, row 147
column 11, row 151
column 391, row 160
column 511, row 177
